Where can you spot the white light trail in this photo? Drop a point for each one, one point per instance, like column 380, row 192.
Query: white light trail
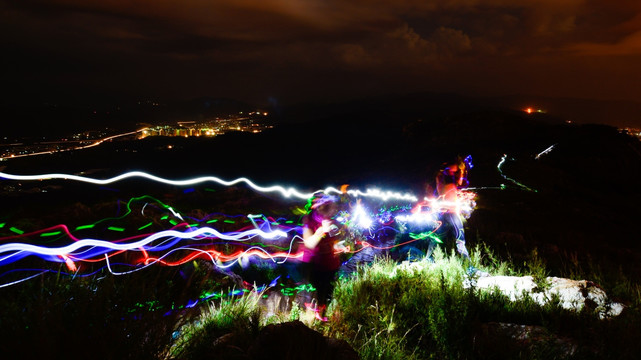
column 14, row 248
column 286, row 192
column 545, row 152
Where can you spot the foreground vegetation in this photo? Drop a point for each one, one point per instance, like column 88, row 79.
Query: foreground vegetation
column 384, row 311
column 103, row 316
column 423, row 311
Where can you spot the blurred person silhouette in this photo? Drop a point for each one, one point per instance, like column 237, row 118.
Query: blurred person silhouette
column 322, row 246
column 451, row 177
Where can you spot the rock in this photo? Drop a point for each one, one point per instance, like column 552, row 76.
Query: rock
column 228, row 347
column 572, row 294
column 512, row 341
column 511, row 286
column 293, row 340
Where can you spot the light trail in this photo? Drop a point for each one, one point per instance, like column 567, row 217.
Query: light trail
column 8, row 251
column 156, row 248
column 286, row 192
column 545, row 152
column 138, row 251
column 96, row 143
column 500, row 166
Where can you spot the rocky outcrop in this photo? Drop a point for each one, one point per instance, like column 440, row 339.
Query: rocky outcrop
column 570, row 294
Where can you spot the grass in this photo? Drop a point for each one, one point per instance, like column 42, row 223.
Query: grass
column 387, row 312
column 117, row 317
column 418, row 310
column 424, row 312
column 239, row 320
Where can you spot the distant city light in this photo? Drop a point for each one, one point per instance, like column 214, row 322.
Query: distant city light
column 78, row 141
column 531, row 110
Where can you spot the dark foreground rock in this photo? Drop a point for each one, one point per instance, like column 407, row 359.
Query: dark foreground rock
column 294, row 340
column 285, row 341
column 513, row 341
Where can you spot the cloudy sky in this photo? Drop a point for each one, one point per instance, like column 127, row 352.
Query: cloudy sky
column 299, row 50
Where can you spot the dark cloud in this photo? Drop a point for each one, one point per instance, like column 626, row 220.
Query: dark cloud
column 295, row 49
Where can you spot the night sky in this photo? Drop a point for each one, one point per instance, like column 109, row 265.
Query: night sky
column 318, row 50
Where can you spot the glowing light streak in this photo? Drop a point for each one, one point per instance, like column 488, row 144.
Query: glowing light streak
column 427, row 211
column 149, row 246
column 289, row 192
column 85, row 251
column 221, row 260
column 545, row 152
column 303, row 287
column 500, row 166
column 63, row 227
column 70, row 264
column 18, row 248
column 16, row 230
column 145, row 226
column 24, row 279
column 252, row 217
column 425, row 235
column 175, row 213
column 51, row 234
column 383, row 195
column 215, row 257
column 417, row 218
column 218, row 258
column 142, row 211
column 430, row 234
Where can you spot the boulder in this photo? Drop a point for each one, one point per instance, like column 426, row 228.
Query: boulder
column 571, row 294
column 496, row 340
column 293, row 340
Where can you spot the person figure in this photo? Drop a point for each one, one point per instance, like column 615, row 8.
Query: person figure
column 448, row 180
column 321, row 253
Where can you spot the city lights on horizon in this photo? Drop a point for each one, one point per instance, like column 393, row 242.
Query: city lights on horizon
column 531, row 110
column 253, row 123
